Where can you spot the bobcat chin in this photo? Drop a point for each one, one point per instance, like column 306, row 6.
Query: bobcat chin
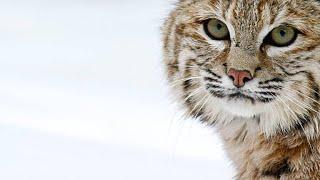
column 251, row 69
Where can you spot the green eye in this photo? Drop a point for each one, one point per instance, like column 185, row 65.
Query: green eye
column 282, row 36
column 216, row 29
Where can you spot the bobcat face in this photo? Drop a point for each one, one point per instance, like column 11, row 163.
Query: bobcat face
column 246, row 58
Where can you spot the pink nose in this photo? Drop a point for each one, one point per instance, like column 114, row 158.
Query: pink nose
column 239, row 78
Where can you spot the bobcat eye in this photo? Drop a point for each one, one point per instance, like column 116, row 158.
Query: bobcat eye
column 216, row 29
column 281, row 36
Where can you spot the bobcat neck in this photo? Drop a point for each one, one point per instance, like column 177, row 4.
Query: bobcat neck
column 282, row 156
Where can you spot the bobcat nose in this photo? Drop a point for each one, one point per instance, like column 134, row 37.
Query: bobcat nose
column 239, row 77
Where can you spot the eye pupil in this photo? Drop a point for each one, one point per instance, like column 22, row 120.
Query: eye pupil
column 219, row 26
column 282, row 33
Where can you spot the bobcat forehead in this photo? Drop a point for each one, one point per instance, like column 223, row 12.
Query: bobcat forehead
column 251, row 69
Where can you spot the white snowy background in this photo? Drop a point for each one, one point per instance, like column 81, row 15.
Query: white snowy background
column 83, row 96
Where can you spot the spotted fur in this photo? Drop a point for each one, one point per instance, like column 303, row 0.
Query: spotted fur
column 271, row 127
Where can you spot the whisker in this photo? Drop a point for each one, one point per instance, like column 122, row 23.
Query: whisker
column 308, row 141
column 203, row 104
column 318, row 93
column 303, row 95
column 195, row 107
column 197, row 91
column 301, row 103
column 277, row 101
column 175, row 83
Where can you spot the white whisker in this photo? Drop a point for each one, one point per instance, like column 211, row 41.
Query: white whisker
column 177, row 82
column 308, row 141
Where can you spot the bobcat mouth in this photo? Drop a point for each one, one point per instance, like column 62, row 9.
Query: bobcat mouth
column 240, row 96
column 266, row 91
column 243, row 95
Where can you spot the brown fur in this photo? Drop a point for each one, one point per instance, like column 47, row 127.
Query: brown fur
column 272, row 132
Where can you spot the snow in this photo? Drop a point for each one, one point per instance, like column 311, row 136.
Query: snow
column 83, row 96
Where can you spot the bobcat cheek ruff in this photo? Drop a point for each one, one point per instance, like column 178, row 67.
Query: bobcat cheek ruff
column 251, row 69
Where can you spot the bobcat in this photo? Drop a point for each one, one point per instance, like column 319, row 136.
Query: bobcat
column 251, row 69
